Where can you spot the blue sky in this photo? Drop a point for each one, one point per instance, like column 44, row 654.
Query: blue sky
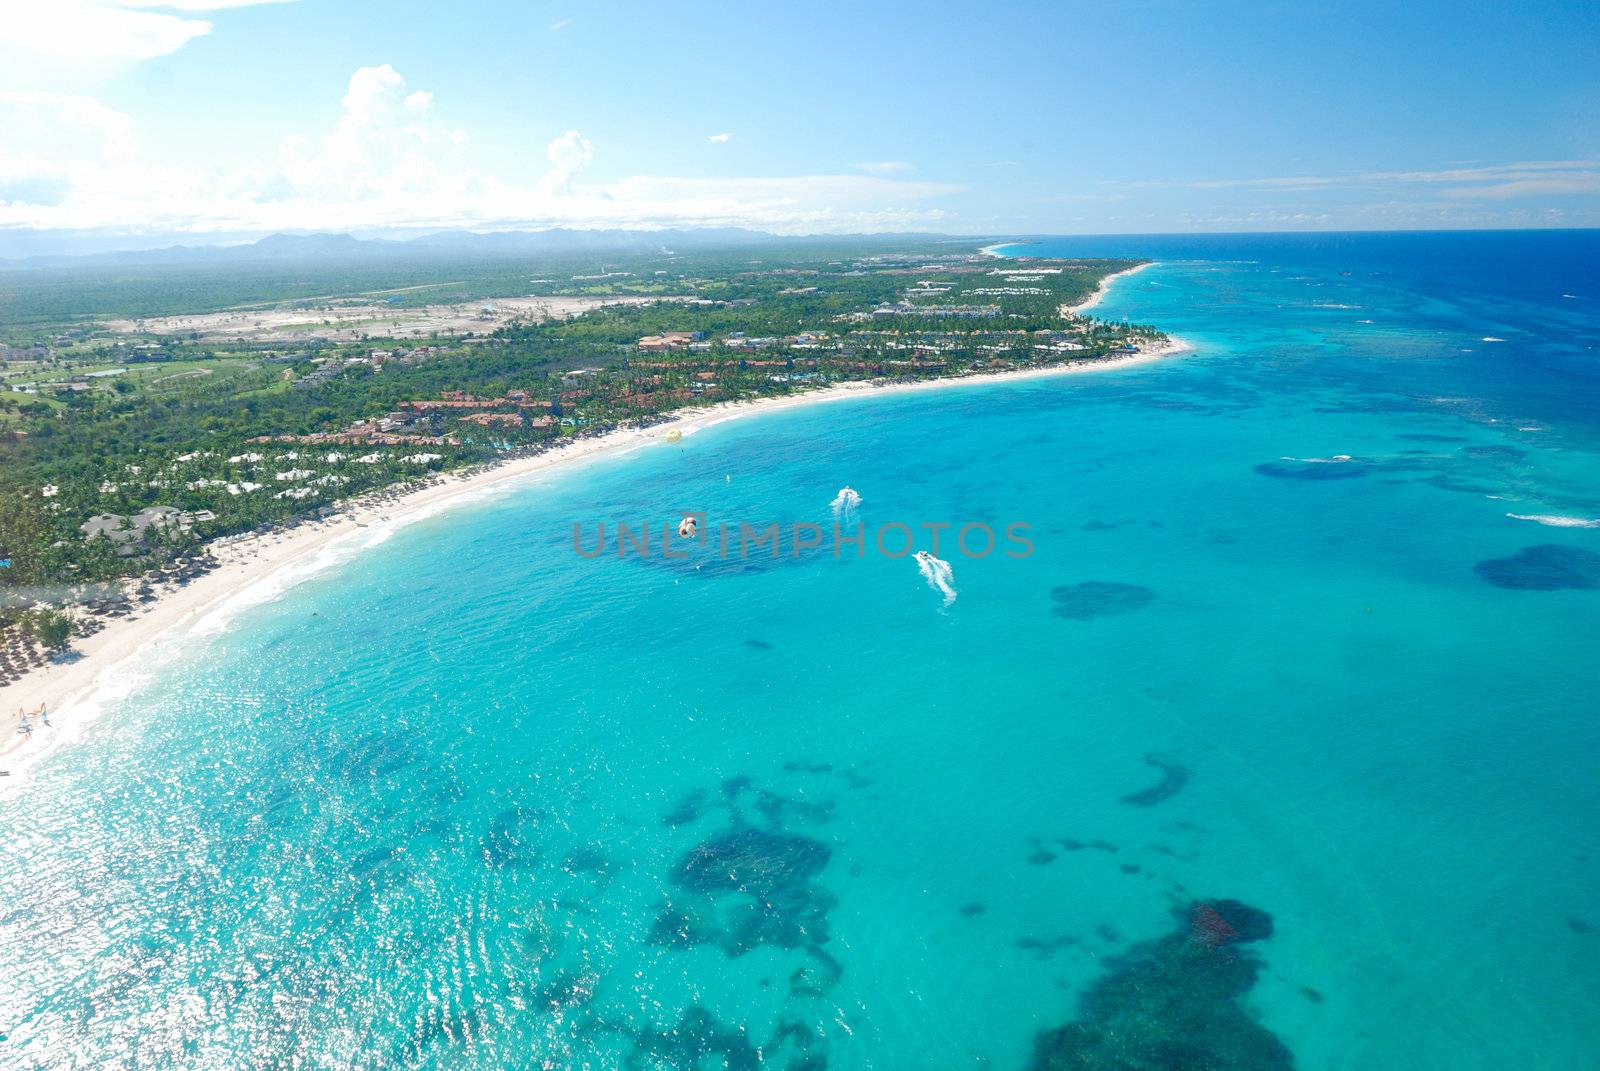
column 226, row 118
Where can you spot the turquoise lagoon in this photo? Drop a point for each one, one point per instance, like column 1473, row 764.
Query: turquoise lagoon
column 470, row 800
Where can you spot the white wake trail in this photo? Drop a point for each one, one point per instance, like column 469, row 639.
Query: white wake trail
column 1554, row 521
column 844, row 504
column 938, row 574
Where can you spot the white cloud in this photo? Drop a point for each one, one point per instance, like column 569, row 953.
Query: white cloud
column 388, row 160
column 42, row 40
column 568, row 154
column 560, row 24
column 1549, row 184
column 198, row 5
column 55, row 142
column 720, row 138
column 65, row 111
column 81, row 33
column 1529, row 177
column 801, row 202
column 384, row 138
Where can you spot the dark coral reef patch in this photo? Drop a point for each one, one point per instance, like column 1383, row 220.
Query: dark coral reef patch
column 1328, row 469
column 1173, row 778
column 1099, row 598
column 1547, row 567
column 513, row 837
column 749, row 887
column 698, row 1041
column 1174, row 1003
column 751, row 861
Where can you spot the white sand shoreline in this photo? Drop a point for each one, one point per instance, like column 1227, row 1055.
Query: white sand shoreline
column 1103, row 289
column 98, row 675
column 1088, row 303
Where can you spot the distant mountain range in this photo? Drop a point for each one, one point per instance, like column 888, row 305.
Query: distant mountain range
column 441, row 245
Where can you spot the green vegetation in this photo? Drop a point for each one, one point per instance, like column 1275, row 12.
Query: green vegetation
column 50, row 627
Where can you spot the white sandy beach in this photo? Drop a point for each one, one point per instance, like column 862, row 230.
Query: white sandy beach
column 1093, row 299
column 76, row 689
column 1100, row 291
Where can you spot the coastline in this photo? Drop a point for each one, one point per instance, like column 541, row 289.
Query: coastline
column 993, row 249
column 258, row 568
column 1103, row 289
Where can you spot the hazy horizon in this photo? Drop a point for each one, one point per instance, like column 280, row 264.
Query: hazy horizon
column 52, row 246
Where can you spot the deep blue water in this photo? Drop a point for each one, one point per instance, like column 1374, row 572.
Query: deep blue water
column 470, row 800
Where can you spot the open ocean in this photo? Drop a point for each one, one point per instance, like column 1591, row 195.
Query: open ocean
column 469, row 800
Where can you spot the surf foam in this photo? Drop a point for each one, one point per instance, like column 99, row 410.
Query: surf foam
column 844, row 504
column 938, row 574
column 1554, row 521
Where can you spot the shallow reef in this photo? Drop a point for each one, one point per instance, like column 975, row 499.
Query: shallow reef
column 1173, row 778
column 1038, row 854
column 740, row 794
column 512, row 838
column 586, row 859
column 698, row 1041
column 374, row 756
column 1072, row 845
column 695, row 1041
column 751, row 861
column 777, row 809
column 1045, row 948
column 1099, row 598
column 1313, row 470
column 1503, row 453
column 753, row 882
column 851, row 777
column 748, row 887
column 1174, row 1003
column 687, row 810
column 1547, row 567
column 712, row 560
column 1444, row 481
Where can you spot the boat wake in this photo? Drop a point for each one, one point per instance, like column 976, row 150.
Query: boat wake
column 938, row 574
column 844, row 505
column 1555, row 521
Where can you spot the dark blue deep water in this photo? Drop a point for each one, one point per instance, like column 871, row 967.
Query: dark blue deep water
column 1279, row 751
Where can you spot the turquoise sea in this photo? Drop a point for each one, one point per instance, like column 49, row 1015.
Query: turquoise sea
column 470, row 800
